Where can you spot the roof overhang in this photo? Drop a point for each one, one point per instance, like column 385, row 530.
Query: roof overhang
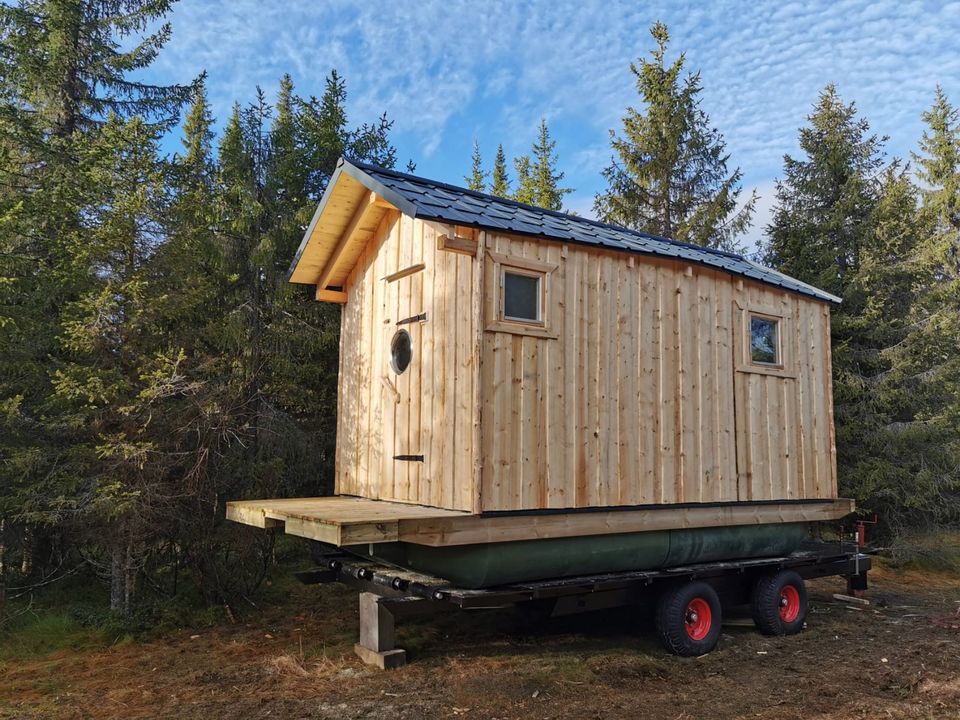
column 346, row 219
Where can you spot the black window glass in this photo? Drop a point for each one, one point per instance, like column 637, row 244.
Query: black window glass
column 521, row 297
column 764, row 347
column 401, row 351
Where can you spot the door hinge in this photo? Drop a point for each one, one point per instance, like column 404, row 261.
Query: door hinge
column 411, row 458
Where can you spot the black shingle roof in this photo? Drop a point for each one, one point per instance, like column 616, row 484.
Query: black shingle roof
column 431, row 200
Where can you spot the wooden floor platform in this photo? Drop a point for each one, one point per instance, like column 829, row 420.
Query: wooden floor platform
column 338, row 520
column 342, row 520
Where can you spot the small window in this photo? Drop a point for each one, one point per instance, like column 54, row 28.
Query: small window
column 764, row 341
column 401, row 351
column 521, row 297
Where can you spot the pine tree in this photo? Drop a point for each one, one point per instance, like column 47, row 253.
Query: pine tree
column 526, row 191
column 669, row 173
column 499, row 182
column 546, row 178
column 477, row 179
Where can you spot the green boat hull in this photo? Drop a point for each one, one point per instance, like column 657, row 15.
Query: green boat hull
column 488, row 565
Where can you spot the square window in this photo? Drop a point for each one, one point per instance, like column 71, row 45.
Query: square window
column 764, row 341
column 521, row 297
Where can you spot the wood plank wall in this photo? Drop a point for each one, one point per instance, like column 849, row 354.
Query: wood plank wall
column 643, row 398
column 429, row 409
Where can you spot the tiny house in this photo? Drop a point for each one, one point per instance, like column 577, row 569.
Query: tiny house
column 527, row 393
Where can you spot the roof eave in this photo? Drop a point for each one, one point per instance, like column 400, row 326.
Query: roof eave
column 345, row 167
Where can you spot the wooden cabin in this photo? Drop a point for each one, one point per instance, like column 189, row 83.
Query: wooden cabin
column 512, row 373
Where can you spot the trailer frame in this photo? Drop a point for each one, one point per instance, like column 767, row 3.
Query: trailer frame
column 389, row 593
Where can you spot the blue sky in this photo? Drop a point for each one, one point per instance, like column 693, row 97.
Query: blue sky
column 449, row 71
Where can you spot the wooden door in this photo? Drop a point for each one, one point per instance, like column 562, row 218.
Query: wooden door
column 767, row 418
column 401, row 384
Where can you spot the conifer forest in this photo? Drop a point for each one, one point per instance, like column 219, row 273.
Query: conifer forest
column 155, row 363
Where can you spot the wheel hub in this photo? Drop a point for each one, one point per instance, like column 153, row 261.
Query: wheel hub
column 698, row 619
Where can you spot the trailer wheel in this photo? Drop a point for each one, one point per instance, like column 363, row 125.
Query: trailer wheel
column 688, row 619
column 779, row 603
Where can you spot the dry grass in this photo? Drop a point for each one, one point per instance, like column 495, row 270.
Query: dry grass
column 885, row 660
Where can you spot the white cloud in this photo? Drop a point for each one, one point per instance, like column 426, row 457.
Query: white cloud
column 449, row 70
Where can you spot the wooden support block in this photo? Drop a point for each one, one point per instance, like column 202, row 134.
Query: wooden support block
column 377, row 634
column 457, row 244
column 376, row 623
column 387, row 660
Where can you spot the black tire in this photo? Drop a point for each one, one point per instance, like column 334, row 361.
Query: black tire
column 682, row 629
column 779, row 603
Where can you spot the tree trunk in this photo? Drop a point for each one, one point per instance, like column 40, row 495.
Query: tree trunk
column 116, row 577
column 26, row 561
column 128, row 577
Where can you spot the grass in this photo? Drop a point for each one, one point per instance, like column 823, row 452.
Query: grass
column 938, row 552
column 74, row 613
column 32, row 634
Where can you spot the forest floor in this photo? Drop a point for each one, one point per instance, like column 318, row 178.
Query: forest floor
column 295, row 660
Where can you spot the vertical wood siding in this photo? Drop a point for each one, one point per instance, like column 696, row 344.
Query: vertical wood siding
column 644, row 397
column 427, row 410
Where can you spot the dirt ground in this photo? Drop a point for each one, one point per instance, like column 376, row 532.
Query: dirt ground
column 890, row 659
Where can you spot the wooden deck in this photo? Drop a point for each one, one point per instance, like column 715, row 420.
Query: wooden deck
column 338, row 520
column 343, row 520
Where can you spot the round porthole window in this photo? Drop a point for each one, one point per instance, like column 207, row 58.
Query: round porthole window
column 401, row 352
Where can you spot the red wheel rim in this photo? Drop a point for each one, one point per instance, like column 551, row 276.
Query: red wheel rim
column 789, row 603
column 698, row 619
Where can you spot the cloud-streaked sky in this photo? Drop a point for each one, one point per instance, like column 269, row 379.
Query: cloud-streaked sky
column 449, row 71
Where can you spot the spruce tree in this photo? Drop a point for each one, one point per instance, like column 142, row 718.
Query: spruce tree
column 477, row 179
column 70, row 60
column 824, row 203
column 848, row 221
column 928, row 360
column 64, row 66
column 546, row 178
column 526, row 191
column 669, row 173
column 499, row 181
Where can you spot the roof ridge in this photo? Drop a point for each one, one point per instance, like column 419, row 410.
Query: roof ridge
column 367, row 167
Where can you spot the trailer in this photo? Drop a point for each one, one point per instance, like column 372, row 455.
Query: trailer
column 689, row 600
column 536, row 406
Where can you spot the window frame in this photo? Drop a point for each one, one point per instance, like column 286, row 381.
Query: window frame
column 497, row 319
column 537, row 275
column 778, row 345
column 785, row 341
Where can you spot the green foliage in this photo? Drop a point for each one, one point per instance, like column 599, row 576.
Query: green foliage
column 156, row 362
column 477, row 179
column 538, row 179
column 847, row 221
column 544, row 179
column 526, row 191
column 669, row 173
column 69, row 62
column 499, row 181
